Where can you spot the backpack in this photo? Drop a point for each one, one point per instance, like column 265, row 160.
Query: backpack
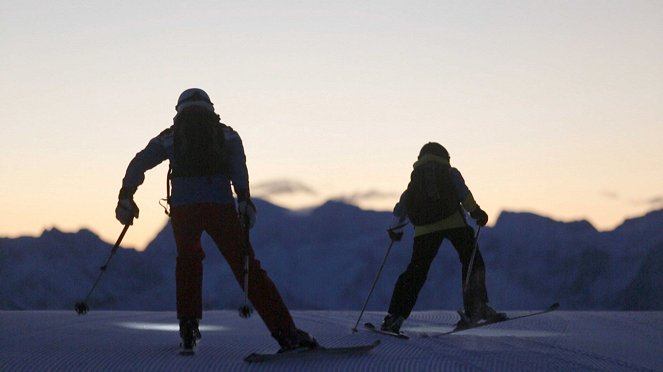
column 199, row 144
column 431, row 195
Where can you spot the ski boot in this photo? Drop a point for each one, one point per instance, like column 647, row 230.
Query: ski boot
column 491, row 316
column 196, row 329
column 465, row 321
column 190, row 334
column 392, row 323
column 294, row 339
column 479, row 314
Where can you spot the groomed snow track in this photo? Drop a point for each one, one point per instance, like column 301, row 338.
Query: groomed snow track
column 148, row 341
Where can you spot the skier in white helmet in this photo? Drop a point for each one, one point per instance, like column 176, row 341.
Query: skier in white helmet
column 207, row 164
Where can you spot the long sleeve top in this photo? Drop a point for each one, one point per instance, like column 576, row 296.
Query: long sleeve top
column 457, row 219
column 190, row 190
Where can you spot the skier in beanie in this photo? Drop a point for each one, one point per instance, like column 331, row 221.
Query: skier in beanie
column 436, row 202
column 206, row 157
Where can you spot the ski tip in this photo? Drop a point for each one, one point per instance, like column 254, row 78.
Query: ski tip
column 554, row 306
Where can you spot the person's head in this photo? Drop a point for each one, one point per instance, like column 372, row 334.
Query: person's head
column 194, row 97
column 435, row 149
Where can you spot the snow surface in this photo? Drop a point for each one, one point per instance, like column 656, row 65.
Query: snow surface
column 148, row 341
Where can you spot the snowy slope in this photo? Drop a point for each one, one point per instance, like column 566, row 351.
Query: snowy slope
column 147, row 341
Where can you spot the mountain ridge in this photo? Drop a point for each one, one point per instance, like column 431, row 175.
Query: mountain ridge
column 327, row 257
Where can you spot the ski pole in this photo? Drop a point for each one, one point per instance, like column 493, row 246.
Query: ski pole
column 474, row 253
column 354, row 329
column 245, row 311
column 81, row 307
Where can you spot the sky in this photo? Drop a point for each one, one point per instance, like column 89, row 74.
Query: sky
column 550, row 107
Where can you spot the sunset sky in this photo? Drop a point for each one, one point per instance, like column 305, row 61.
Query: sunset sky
column 553, row 107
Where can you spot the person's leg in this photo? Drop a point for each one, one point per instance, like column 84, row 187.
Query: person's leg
column 411, row 281
column 475, row 295
column 224, row 228
column 187, row 229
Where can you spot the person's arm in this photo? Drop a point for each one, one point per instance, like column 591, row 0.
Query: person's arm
column 237, row 170
column 467, row 199
column 400, row 219
column 152, row 155
column 238, row 174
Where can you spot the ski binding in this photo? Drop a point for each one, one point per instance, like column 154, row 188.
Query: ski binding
column 371, row 327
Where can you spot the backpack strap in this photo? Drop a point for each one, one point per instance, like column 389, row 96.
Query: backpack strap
column 166, row 207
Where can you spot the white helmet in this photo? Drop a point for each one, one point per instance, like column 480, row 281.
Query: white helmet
column 194, row 97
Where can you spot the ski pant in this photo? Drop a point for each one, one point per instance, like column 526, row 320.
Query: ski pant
column 424, row 250
column 222, row 224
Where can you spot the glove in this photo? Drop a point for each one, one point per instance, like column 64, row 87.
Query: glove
column 247, row 212
column 246, row 208
column 126, row 211
column 479, row 216
column 395, row 230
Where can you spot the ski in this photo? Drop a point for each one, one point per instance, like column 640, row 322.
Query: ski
column 371, row 327
column 304, row 353
column 550, row 308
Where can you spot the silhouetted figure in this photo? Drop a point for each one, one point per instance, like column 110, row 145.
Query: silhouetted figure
column 207, row 157
column 435, row 202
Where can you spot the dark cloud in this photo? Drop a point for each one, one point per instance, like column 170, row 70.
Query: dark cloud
column 281, row 187
column 366, row 195
column 656, row 201
column 610, row 195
